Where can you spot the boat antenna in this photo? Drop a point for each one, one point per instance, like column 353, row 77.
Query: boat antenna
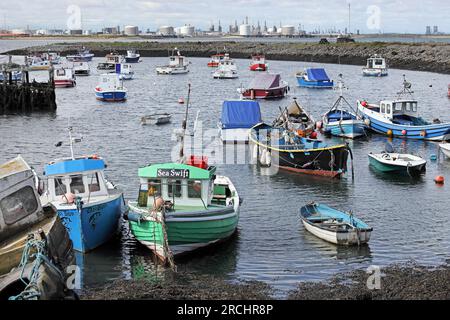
column 406, row 88
column 71, row 141
column 184, row 125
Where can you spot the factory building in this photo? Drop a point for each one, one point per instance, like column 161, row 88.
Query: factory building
column 166, row 31
column 131, row 30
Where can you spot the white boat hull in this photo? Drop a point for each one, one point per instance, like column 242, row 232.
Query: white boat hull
column 445, row 148
column 352, row 237
column 239, row 135
column 373, row 72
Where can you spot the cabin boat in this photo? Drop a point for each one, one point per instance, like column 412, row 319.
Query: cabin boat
column 112, row 59
column 342, row 120
column 53, row 57
column 178, row 64
column 286, row 150
column 265, row 86
column 215, row 60
column 183, row 207
column 314, row 78
column 376, row 67
column 400, row 118
column 132, row 56
column 89, row 205
column 64, row 77
column 110, row 88
column 37, row 63
column 226, row 70
column 296, row 118
column 124, row 71
column 156, row 118
column 258, row 63
column 334, row 226
column 24, row 223
column 106, row 66
column 82, row 56
column 81, row 68
column 238, row 117
column 445, row 148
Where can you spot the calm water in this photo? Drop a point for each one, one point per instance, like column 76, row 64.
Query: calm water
column 410, row 217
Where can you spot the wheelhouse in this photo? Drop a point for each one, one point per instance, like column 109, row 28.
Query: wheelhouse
column 376, row 62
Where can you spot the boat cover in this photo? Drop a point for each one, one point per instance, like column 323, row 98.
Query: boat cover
column 265, row 81
column 240, row 114
column 317, row 74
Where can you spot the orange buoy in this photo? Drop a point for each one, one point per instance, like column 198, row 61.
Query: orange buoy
column 389, row 133
column 364, row 103
column 181, row 101
column 439, row 180
column 313, row 135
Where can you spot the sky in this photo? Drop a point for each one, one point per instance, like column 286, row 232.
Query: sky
column 369, row 16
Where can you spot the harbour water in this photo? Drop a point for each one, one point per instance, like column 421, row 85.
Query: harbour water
column 409, row 216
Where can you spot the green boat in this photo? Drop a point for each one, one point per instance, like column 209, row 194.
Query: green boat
column 183, row 207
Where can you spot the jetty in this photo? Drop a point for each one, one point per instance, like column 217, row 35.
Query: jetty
column 19, row 95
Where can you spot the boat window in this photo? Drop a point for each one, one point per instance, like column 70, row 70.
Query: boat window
column 18, row 205
column 60, row 72
column 154, row 188
column 397, row 107
column 174, row 188
column 76, row 184
column 404, row 106
column 378, row 62
column 194, row 189
column 414, row 106
column 93, row 182
column 383, row 108
column 60, row 187
column 388, row 108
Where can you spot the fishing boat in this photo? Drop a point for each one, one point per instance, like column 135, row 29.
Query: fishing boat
column 37, row 63
column 258, row 63
column 183, row 206
column 265, row 86
column 110, row 88
column 124, row 71
column 178, row 64
column 296, row 118
column 399, row 118
column 156, row 118
column 132, row 56
column 376, row 67
column 64, row 77
column 81, row 68
column 106, row 66
column 15, row 76
column 238, row 117
column 215, row 60
column 314, row 78
column 112, row 59
column 334, row 226
column 342, row 120
column 89, row 205
column 445, row 148
column 35, row 248
column 82, row 56
column 393, row 162
column 53, row 57
column 227, row 69
column 286, row 150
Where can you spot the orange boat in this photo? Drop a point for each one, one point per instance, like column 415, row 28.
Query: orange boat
column 215, row 60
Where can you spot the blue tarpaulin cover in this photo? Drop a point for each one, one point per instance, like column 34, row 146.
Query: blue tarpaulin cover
column 240, row 114
column 317, row 74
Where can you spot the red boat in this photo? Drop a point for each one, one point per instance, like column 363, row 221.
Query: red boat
column 215, row 60
column 265, row 86
column 64, row 78
column 258, row 63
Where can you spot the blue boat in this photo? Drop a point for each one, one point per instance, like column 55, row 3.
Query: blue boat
column 399, row 118
column 334, row 226
column 341, row 120
column 16, row 76
column 89, row 205
column 110, row 88
column 314, row 78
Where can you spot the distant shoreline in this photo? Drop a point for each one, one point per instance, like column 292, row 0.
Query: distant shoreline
column 433, row 57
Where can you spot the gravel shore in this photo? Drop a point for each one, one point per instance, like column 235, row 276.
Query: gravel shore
column 434, row 57
column 397, row 282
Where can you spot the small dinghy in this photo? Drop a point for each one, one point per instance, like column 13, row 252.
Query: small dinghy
column 445, row 148
column 390, row 161
column 156, row 118
column 334, row 226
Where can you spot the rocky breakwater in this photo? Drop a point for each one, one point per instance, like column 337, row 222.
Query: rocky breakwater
column 434, row 57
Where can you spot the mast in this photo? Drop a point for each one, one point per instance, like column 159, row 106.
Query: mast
column 71, row 143
column 184, row 125
column 348, row 31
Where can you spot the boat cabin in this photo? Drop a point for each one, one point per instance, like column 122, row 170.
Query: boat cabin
column 113, row 58
column 184, row 185
column 403, row 112
column 82, row 177
column 376, row 62
column 20, row 207
column 110, row 81
column 177, row 61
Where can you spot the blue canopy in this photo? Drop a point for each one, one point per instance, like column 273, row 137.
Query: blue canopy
column 317, row 74
column 240, row 114
column 74, row 166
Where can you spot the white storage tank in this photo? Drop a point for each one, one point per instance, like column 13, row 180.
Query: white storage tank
column 187, row 31
column 131, row 30
column 245, row 30
column 287, row 30
column 166, row 31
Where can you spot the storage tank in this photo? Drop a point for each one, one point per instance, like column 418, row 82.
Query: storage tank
column 166, row 31
column 187, row 31
column 287, row 30
column 131, row 30
column 245, row 30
